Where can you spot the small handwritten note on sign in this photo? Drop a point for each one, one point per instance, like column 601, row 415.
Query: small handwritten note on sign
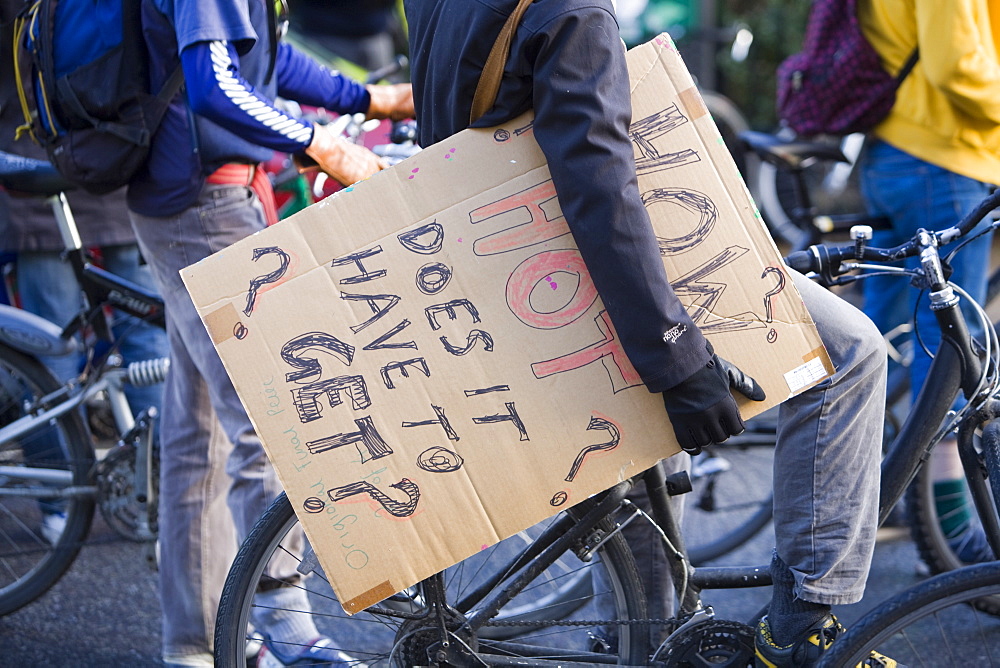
column 426, row 358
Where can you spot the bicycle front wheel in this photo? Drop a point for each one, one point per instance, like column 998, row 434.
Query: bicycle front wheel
column 46, row 505
column 555, row 620
column 936, row 547
column 932, row 624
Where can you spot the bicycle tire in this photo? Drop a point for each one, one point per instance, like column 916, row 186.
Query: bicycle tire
column 931, row 624
column 29, row 564
column 928, row 536
column 724, row 510
column 774, row 193
column 380, row 633
column 731, row 122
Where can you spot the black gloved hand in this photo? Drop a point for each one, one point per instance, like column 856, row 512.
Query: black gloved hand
column 701, row 408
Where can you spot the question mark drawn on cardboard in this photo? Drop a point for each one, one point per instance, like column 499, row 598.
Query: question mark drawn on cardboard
column 272, row 277
column 773, row 291
column 595, row 423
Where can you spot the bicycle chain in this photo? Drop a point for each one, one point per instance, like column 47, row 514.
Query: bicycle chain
column 584, row 622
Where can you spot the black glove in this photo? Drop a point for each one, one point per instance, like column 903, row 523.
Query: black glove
column 701, row 409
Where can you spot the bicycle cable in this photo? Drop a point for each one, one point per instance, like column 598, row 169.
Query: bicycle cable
column 990, row 343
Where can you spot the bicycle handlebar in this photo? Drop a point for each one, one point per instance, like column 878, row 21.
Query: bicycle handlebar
column 822, row 258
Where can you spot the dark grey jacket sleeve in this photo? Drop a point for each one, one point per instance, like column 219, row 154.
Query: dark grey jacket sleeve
column 583, row 110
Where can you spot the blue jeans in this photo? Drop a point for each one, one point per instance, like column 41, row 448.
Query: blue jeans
column 48, row 288
column 915, row 194
column 215, row 479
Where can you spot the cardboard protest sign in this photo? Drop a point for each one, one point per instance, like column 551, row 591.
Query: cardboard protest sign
column 429, row 365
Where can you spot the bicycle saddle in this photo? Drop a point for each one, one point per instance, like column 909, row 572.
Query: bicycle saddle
column 790, row 154
column 29, row 176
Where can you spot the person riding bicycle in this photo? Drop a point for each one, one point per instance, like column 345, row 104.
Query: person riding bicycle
column 931, row 161
column 567, row 62
column 200, row 191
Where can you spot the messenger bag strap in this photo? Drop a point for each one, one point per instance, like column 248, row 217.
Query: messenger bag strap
column 489, row 80
column 907, row 66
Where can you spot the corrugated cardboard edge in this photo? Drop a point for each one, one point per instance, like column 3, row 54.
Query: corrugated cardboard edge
column 227, row 318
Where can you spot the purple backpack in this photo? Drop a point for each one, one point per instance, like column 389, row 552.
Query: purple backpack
column 836, row 84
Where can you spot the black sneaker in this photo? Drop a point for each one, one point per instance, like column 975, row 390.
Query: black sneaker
column 807, row 652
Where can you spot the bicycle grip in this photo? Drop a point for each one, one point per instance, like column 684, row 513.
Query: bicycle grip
column 802, row 261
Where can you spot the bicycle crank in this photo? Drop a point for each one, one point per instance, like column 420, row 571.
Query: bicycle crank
column 715, row 642
column 130, row 517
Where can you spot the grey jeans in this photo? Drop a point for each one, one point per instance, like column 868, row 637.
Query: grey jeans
column 826, row 468
column 826, row 462
column 215, row 480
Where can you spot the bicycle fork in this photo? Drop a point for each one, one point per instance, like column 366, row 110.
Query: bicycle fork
column 974, row 465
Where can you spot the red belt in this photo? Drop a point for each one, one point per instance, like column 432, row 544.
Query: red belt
column 255, row 178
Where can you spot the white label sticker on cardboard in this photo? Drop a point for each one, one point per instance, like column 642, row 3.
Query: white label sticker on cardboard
column 805, row 375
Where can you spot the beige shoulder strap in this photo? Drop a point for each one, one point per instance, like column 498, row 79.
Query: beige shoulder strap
column 489, row 80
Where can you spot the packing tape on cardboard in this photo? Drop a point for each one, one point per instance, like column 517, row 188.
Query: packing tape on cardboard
column 369, row 598
column 693, row 103
column 223, row 324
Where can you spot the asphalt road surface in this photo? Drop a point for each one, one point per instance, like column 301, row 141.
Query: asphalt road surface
column 105, row 612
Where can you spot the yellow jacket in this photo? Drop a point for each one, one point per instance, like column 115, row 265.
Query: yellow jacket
column 947, row 111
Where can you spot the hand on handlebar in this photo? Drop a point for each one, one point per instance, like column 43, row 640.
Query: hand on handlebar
column 701, row 408
column 392, row 101
column 346, row 162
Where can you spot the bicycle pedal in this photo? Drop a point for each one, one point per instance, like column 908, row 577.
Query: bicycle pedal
column 678, row 483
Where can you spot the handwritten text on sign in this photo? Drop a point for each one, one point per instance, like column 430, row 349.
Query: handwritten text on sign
column 428, row 362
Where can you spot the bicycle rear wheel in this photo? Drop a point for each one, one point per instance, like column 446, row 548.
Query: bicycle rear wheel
column 395, row 631
column 833, row 189
column 932, row 624
column 42, row 473
column 731, row 498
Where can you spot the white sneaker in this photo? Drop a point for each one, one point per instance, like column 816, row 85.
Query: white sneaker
column 255, row 642
column 53, row 525
column 320, row 652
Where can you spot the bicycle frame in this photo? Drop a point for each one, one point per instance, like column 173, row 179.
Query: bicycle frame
column 956, row 367
column 35, row 336
column 99, row 286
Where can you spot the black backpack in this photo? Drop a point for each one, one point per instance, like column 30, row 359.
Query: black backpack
column 83, row 83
